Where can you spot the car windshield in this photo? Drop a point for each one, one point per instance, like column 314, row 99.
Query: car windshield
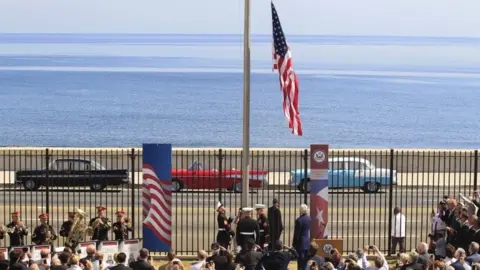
column 97, row 166
column 196, row 166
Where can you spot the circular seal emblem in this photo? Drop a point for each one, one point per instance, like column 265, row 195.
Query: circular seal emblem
column 327, row 248
column 319, row 156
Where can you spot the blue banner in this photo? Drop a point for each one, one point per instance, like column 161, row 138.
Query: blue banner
column 157, row 197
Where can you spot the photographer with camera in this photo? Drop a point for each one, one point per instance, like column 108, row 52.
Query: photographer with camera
column 438, row 243
column 379, row 263
column 279, row 258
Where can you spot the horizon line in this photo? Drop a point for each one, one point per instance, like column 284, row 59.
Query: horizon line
column 234, row 34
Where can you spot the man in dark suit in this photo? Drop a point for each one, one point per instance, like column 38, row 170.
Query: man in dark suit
column 142, row 261
column 275, row 224
column 121, row 259
column 301, row 236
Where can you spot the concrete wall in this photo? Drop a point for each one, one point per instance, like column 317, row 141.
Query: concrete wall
column 270, row 159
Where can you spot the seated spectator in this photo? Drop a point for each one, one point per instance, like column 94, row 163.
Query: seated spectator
column 202, row 258
column 423, row 256
column 415, row 264
column 122, row 259
column 449, row 254
column 360, row 253
column 172, row 261
column 3, row 262
column 460, row 260
column 474, row 256
column 379, row 263
column 439, row 244
column 248, row 257
column 335, row 258
column 142, row 262
column 313, row 254
column 64, row 258
column 75, row 263
column 15, row 257
column 279, row 258
column 218, row 257
column 44, row 262
column 404, row 262
column 91, row 250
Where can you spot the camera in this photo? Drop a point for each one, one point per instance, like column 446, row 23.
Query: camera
column 175, row 262
column 371, row 247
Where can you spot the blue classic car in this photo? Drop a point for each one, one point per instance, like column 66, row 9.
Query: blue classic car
column 347, row 172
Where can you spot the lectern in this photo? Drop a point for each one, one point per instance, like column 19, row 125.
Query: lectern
column 327, row 245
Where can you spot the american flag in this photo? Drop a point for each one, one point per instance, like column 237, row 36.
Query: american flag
column 282, row 61
column 157, row 205
column 319, row 206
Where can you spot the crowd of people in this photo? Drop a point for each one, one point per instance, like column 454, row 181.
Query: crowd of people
column 453, row 240
column 68, row 260
column 255, row 245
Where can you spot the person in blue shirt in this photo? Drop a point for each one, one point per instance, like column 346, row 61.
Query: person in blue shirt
column 301, row 236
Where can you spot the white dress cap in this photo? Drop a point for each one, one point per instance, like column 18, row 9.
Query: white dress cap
column 260, row 206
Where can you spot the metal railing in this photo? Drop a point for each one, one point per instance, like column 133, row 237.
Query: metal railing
column 358, row 213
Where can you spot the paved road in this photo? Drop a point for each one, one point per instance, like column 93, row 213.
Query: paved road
column 359, row 218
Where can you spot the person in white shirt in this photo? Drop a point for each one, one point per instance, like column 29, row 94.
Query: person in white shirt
column 398, row 230
column 202, row 257
column 438, row 225
column 379, row 263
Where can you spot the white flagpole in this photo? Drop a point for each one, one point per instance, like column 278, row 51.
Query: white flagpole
column 246, row 106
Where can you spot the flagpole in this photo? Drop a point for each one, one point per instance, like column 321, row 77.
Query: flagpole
column 246, row 106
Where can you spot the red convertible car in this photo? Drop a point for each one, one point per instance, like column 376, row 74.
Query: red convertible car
column 196, row 177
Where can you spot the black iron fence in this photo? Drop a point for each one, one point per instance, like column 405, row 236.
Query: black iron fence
column 358, row 212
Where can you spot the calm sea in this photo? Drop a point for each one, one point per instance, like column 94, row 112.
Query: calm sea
column 124, row 90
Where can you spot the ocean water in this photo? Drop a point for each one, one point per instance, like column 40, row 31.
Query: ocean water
column 128, row 89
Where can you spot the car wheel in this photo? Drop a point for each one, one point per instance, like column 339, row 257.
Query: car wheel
column 30, row 185
column 97, row 187
column 301, row 186
column 371, row 187
column 177, row 186
column 237, row 187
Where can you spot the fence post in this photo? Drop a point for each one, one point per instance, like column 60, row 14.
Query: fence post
column 132, row 157
column 390, row 203
column 47, row 193
column 305, row 174
column 475, row 170
column 220, row 173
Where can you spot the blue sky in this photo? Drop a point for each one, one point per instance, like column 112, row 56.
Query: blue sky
column 340, row 17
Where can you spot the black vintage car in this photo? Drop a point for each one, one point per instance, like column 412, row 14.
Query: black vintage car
column 67, row 172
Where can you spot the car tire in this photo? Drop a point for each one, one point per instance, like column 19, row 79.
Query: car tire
column 30, row 185
column 177, row 185
column 301, row 186
column 237, row 187
column 371, row 187
column 97, row 187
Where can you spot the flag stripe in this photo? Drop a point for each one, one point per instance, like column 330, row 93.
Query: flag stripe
column 157, row 205
column 282, row 61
